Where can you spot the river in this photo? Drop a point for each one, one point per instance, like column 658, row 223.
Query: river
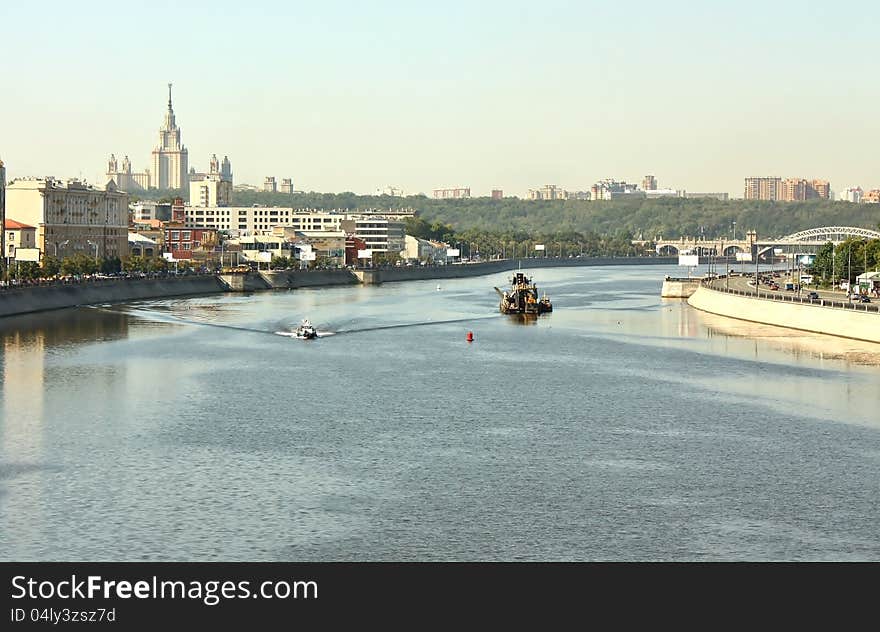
column 620, row 427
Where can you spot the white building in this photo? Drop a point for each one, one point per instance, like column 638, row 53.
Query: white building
column 852, row 194
column 658, row 193
column 170, row 158
column 211, row 191
column 124, row 178
column 416, row 249
column 548, row 192
column 389, row 190
column 72, row 217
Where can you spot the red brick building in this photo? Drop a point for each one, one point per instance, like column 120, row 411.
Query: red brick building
column 352, row 245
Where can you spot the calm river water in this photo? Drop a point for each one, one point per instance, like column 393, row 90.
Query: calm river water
column 620, row 427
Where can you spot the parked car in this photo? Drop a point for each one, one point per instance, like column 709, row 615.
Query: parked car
column 813, row 296
column 774, row 287
column 864, row 299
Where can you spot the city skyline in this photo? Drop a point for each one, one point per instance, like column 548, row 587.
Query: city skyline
column 509, row 96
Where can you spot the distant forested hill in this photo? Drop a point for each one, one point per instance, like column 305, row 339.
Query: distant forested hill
column 666, row 217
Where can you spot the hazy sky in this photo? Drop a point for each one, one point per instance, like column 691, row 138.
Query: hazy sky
column 359, row 95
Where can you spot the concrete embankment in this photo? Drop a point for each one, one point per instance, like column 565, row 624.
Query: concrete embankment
column 835, row 321
column 678, row 288
column 28, row 299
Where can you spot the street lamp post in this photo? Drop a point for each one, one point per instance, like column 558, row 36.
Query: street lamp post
column 56, row 244
column 91, row 243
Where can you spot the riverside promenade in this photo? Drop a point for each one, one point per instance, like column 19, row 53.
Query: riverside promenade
column 34, row 298
column 845, row 319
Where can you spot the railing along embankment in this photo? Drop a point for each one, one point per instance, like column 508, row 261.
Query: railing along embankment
column 860, row 321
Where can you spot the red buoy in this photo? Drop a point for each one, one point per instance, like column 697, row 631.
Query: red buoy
column 470, row 336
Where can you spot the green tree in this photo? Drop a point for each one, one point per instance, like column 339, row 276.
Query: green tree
column 50, row 267
column 823, row 266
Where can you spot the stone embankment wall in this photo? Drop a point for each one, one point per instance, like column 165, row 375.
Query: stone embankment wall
column 411, row 273
column 283, row 279
column 28, row 299
column 834, row 321
column 38, row 298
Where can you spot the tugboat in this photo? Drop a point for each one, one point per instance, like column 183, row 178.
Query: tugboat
column 306, row 331
column 523, row 297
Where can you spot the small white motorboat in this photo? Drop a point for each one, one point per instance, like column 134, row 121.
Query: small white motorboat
column 306, row 331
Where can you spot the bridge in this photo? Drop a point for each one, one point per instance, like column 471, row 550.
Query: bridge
column 706, row 247
column 810, row 241
column 802, row 242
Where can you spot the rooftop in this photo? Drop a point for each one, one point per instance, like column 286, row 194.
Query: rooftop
column 11, row 224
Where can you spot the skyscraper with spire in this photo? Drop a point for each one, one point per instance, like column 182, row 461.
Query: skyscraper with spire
column 170, row 157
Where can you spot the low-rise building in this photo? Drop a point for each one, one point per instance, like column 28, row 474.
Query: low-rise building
column 452, row 194
column 659, row 193
column 71, row 217
column 145, row 210
column 715, row 196
column 328, row 245
column 142, row 246
column 381, row 234
column 422, row 250
column 262, row 248
column 353, row 245
column 18, row 235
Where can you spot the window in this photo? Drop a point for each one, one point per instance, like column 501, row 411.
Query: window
column 175, row 234
column 187, row 235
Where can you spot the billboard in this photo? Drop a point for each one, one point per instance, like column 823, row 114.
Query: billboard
column 688, row 260
column 453, row 252
column 169, row 257
column 265, row 257
column 743, row 256
column 806, row 260
column 365, row 254
column 307, row 255
column 27, row 254
column 539, row 246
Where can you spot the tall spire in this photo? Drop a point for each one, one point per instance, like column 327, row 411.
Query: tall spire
column 170, row 124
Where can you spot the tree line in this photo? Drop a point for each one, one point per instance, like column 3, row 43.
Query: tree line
column 647, row 219
column 846, row 261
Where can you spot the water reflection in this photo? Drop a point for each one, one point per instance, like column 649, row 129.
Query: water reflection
column 62, row 327
column 522, row 319
column 800, row 344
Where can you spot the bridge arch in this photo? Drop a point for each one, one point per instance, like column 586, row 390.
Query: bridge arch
column 834, row 234
column 732, row 250
column 667, row 250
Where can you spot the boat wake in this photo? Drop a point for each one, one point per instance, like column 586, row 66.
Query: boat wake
column 160, row 316
column 292, row 334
